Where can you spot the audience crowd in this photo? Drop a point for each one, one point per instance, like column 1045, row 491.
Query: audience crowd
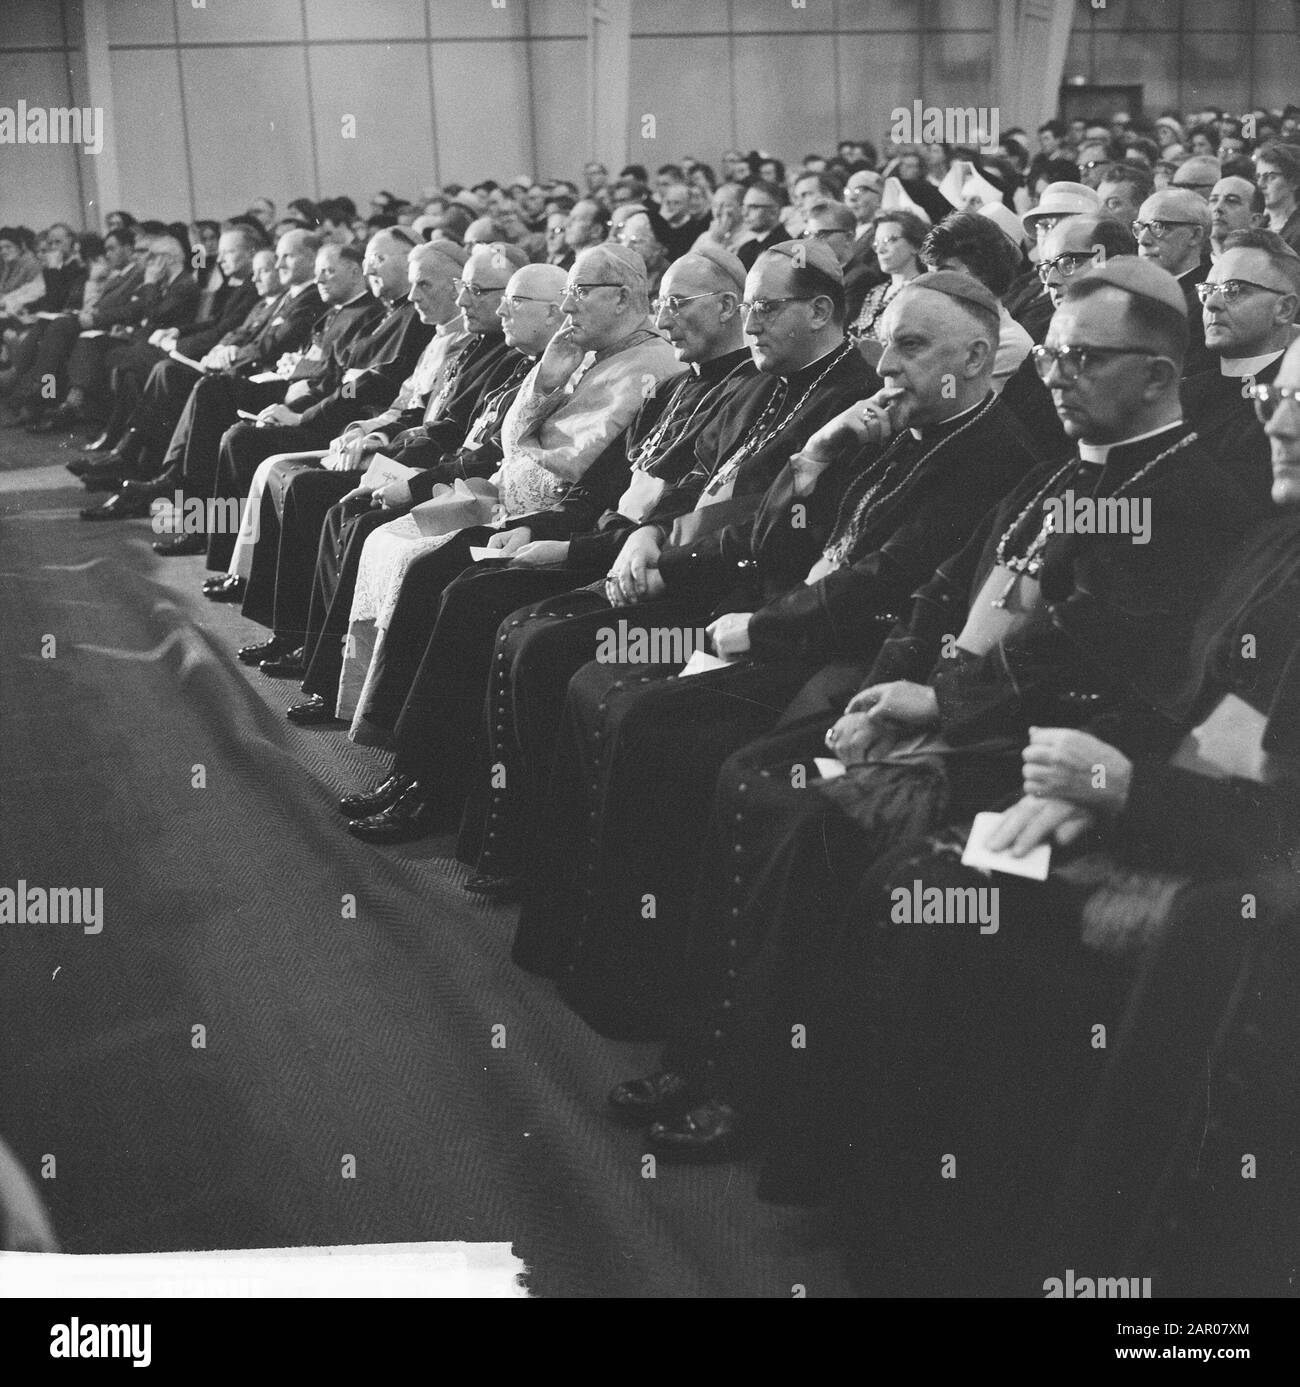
column 851, row 607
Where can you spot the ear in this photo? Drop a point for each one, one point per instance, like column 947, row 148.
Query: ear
column 978, row 355
column 1163, row 376
column 822, row 310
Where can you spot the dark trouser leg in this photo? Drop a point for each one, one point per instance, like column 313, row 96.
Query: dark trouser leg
column 412, row 623
column 243, row 447
column 86, row 364
column 161, row 405
column 210, row 410
column 439, row 735
column 341, row 541
column 305, row 494
column 662, row 743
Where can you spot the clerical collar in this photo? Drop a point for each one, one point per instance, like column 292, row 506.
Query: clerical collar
column 809, row 372
column 1097, row 453
column 1246, row 365
column 953, row 422
column 720, row 366
column 296, row 289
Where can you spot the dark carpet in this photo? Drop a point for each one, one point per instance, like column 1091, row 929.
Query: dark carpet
column 138, row 756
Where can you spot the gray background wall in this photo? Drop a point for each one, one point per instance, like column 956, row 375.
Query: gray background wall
column 213, row 105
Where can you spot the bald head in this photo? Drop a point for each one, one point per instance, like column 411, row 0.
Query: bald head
column 1236, row 204
column 530, row 307
column 1174, row 230
column 295, row 257
column 699, row 306
column 1197, row 175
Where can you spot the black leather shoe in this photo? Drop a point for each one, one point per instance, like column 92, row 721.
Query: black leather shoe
column 229, row 589
column 313, row 711
column 708, row 1132
column 365, row 803
column 183, row 546
column 495, row 888
column 405, row 820
column 119, row 507
column 289, row 665
column 103, row 444
column 109, row 479
column 264, row 650
column 657, row 1095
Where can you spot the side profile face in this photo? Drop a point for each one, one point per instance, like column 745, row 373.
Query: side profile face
column 1261, row 304
column 433, row 288
column 927, row 339
column 265, row 279
column 781, row 335
column 692, row 312
column 1283, row 432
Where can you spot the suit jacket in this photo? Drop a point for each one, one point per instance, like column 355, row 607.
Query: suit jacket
column 288, row 326
column 166, row 305
column 231, row 304
column 1216, row 406
column 117, row 303
column 371, row 369
column 751, row 250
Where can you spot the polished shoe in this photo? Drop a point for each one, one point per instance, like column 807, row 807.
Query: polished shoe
column 229, row 589
column 183, row 546
column 109, row 479
column 119, row 507
column 661, row 1094
column 495, row 888
column 152, row 487
column 103, row 444
column 406, row 819
column 313, row 711
column 365, row 803
column 265, row 650
column 289, row 665
column 708, row 1132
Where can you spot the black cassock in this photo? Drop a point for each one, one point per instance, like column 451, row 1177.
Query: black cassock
column 612, row 915
column 526, row 663
column 1118, row 1154
column 783, row 849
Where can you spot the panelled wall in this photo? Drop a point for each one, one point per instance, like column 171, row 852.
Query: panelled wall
column 217, row 101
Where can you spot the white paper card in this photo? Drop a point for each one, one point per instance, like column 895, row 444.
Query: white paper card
column 700, row 663
column 383, row 470
column 829, row 767
column 1033, row 865
column 479, row 554
column 265, row 377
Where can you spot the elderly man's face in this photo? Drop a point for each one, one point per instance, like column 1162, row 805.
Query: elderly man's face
column 1166, row 233
column 1242, row 326
column 118, row 254
column 293, row 260
column 1283, row 431
column 482, row 283
column 336, row 280
column 1230, row 201
column 1067, row 250
column 595, row 305
column 674, row 204
column 926, row 338
column 1103, row 402
column 581, row 230
column 759, row 211
column 863, row 196
column 525, row 313
column 234, row 256
column 433, row 289
column 807, row 191
column 689, row 311
column 385, row 266
column 636, row 234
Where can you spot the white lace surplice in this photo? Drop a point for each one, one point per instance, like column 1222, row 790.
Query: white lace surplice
column 388, row 552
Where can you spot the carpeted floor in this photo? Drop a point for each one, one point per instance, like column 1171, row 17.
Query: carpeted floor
column 138, row 756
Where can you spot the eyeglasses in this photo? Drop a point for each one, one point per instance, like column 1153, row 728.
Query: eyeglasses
column 765, row 308
column 1072, row 362
column 1068, row 263
column 1232, row 289
column 1269, row 399
column 1095, row 164
column 582, row 291
column 478, row 290
column 878, row 246
column 825, row 234
column 512, row 301
column 1159, row 229
column 674, row 303
column 758, row 207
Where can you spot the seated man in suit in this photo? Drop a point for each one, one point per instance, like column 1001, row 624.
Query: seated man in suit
column 1173, row 231
column 330, row 275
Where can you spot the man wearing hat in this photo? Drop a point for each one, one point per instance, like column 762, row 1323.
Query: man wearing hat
column 1026, row 300
column 1029, row 625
